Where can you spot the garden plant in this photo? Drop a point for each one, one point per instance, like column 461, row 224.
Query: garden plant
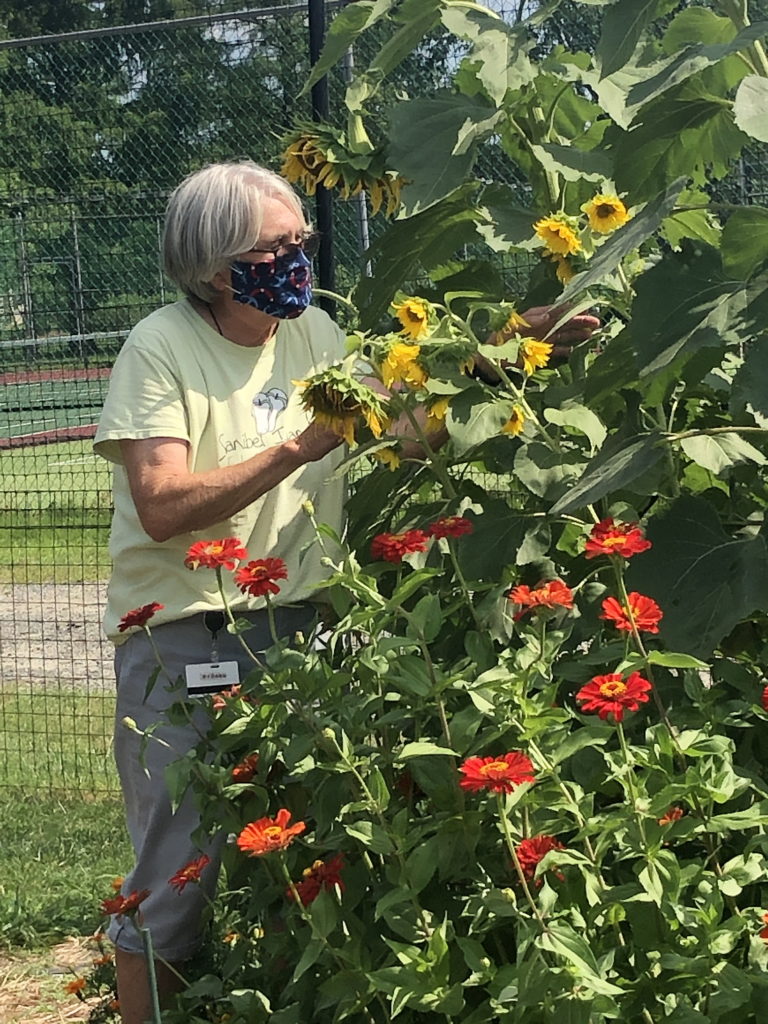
column 521, row 776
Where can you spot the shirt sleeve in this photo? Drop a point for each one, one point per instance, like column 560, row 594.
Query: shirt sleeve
column 144, row 400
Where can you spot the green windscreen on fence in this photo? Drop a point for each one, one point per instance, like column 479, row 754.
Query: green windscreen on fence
column 99, row 118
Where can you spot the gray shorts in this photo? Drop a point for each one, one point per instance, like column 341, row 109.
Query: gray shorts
column 161, row 837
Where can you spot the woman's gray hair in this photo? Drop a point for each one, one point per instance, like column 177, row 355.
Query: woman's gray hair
column 214, row 215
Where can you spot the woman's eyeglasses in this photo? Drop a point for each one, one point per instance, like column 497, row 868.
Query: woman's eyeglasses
column 309, row 245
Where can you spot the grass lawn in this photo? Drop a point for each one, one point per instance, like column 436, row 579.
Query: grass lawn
column 62, row 844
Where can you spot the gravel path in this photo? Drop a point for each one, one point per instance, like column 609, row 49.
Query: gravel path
column 51, row 634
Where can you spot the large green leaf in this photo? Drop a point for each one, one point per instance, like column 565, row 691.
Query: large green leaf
column 416, row 18
column 745, row 238
column 682, row 304
column 498, row 533
column 472, row 418
column 453, row 125
column 547, row 472
column 623, row 25
column 617, row 464
column 705, row 580
column 750, row 106
column 622, row 242
column 506, row 225
column 427, row 239
column 348, row 24
column 750, row 385
column 690, row 133
column 499, row 52
column 718, row 452
column 683, row 65
column 572, row 163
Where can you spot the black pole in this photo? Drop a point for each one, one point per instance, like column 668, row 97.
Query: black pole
column 326, row 258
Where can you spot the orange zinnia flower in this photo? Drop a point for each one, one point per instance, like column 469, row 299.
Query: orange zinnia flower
column 322, row 875
column 610, row 538
column 612, row 695
column 554, row 594
column 139, row 616
column 269, row 834
column 393, row 547
column 765, row 698
column 127, row 905
column 75, row 987
column 531, row 851
column 763, row 933
column 215, row 554
column 189, row 873
column 641, row 610
column 450, row 526
column 257, row 578
column 673, row 814
column 498, row 774
column 246, row 769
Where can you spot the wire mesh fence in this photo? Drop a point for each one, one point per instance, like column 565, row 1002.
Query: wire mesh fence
column 104, row 108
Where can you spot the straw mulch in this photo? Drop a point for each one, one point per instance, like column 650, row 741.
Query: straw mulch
column 32, row 985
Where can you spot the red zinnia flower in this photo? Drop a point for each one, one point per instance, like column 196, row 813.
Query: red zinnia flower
column 644, row 611
column 215, row 554
column 139, row 616
column 610, row 538
column 612, row 695
column 764, row 931
column 450, row 526
column 246, row 769
column 673, row 814
column 553, row 594
column 322, row 875
column 765, row 699
column 392, row 547
column 124, row 904
column 189, row 873
column 531, row 851
column 257, row 578
column 499, row 774
column 269, row 834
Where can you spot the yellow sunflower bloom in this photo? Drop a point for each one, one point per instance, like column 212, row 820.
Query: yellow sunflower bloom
column 563, row 269
column 605, row 213
column 558, row 235
column 534, row 354
column 413, row 314
column 514, row 325
column 341, row 424
column 388, row 457
column 337, row 401
column 377, row 422
column 436, row 416
column 400, row 365
column 515, row 423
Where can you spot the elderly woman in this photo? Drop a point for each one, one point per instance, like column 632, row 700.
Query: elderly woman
column 205, row 428
column 209, row 440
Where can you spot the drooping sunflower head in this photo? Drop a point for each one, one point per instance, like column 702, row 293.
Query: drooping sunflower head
column 414, row 315
column 564, row 268
column 559, row 234
column 400, row 365
column 388, row 457
column 534, row 354
column 436, row 413
column 338, row 401
column 605, row 213
column 515, row 423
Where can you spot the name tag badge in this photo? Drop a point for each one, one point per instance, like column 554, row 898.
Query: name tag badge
column 212, row 677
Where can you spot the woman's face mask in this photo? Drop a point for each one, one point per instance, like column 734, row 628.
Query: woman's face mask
column 281, row 288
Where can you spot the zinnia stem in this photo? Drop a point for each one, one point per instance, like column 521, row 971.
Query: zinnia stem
column 230, row 616
column 516, row 861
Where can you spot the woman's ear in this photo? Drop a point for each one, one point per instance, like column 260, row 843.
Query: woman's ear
column 221, row 282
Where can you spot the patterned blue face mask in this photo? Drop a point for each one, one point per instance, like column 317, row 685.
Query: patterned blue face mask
column 281, row 288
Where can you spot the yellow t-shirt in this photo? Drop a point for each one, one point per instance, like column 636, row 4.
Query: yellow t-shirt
column 177, row 377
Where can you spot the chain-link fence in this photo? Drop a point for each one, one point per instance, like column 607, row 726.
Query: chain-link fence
column 104, row 108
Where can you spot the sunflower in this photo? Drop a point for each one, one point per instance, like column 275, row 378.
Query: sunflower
column 436, row 413
column 605, row 213
column 559, row 234
column 388, row 457
column 515, row 423
column 400, row 364
column 513, row 325
column 564, row 269
column 534, row 353
column 337, row 402
column 414, row 316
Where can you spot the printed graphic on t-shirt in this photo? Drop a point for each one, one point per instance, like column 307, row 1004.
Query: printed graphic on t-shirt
column 266, row 408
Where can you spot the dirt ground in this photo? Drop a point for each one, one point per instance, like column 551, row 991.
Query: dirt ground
column 32, row 986
column 52, row 632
